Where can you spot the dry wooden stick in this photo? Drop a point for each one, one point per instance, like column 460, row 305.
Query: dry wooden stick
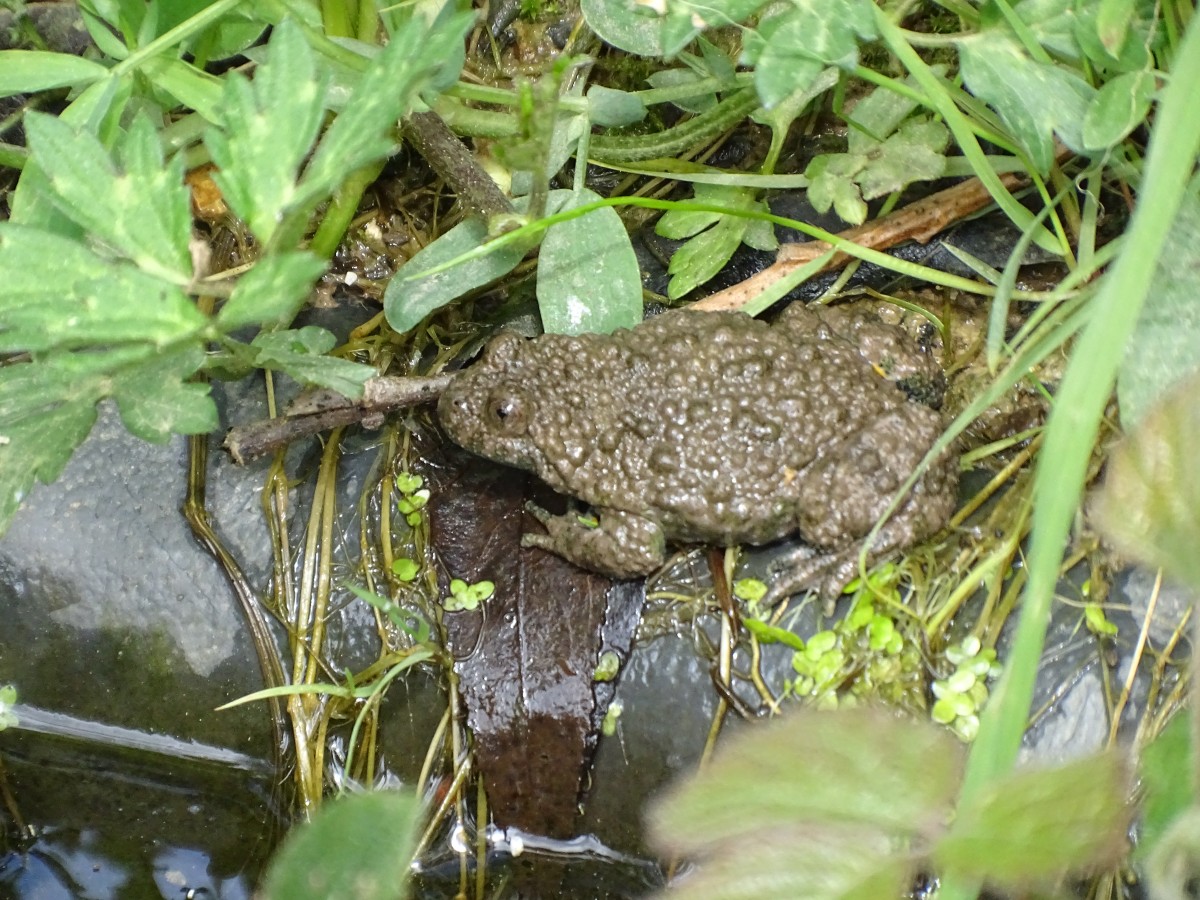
column 919, row 221
column 321, row 410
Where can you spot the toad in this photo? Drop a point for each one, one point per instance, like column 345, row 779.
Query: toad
column 716, row 428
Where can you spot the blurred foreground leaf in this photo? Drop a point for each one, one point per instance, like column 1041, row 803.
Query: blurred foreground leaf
column 356, row 847
column 1035, row 825
column 1151, row 497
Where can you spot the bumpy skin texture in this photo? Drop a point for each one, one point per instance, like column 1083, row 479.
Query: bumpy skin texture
column 714, row 428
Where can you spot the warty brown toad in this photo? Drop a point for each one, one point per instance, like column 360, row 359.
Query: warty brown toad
column 715, row 428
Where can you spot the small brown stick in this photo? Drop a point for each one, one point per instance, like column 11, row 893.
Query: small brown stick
column 321, row 410
column 919, row 221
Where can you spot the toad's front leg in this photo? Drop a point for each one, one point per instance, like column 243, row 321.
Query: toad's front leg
column 617, row 544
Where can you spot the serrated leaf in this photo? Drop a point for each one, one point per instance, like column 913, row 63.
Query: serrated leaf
column 300, row 353
column 831, row 183
column 588, row 276
column 45, row 413
column 914, row 153
column 156, row 399
column 337, row 854
column 388, row 89
column 29, row 71
column 272, row 291
column 140, row 210
column 75, row 298
column 1120, row 106
column 1165, row 344
column 998, row 71
column 270, row 127
column 1034, row 826
column 411, row 296
column 851, row 769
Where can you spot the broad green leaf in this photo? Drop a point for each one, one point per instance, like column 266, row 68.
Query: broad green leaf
column 1149, row 501
column 82, row 299
column 588, row 276
column 613, row 108
column 28, row 71
column 1120, row 106
column 1133, row 49
column 357, row 846
column 851, row 769
column 45, row 413
column 411, row 296
column 156, row 399
column 1051, row 23
column 270, row 127
column 827, row 864
column 363, row 131
column 136, row 205
column 831, row 182
column 1168, row 776
column 1165, row 345
column 1034, row 826
column 300, row 353
column 998, row 71
column 811, row 34
column 272, row 291
column 622, row 24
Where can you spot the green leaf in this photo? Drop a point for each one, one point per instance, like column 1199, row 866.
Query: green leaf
column 588, row 276
column 1165, row 345
column 269, row 128
column 190, row 86
column 357, row 846
column 411, row 296
column 809, row 772
column 1037, row 825
column 704, row 256
column 1119, row 106
column 362, row 132
column 140, row 209
column 1149, row 501
column 997, row 69
column 300, row 353
column 29, row 71
column 809, row 36
column 914, row 153
column 613, row 108
column 1169, row 781
column 273, row 291
column 156, row 399
column 73, row 298
column 619, row 23
column 45, row 413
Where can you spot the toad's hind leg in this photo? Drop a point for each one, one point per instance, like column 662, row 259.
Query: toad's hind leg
column 847, row 492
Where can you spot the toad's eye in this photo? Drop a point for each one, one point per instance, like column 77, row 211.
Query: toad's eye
column 508, row 413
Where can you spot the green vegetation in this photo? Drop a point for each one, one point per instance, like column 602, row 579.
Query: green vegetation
column 108, row 296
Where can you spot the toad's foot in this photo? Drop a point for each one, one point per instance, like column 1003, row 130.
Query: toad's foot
column 807, row 569
column 617, row 544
